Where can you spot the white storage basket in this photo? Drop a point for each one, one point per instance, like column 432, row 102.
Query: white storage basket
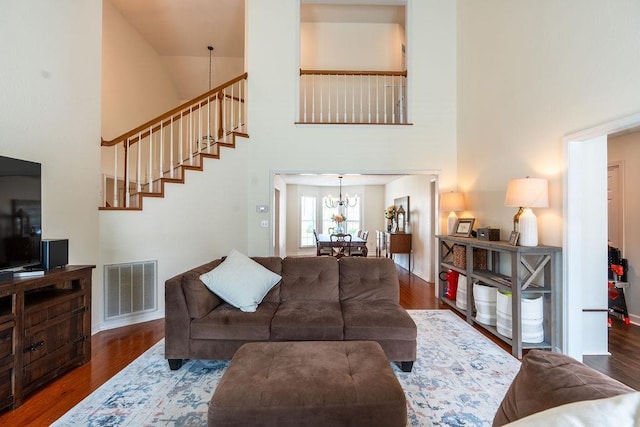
column 461, row 293
column 484, row 297
column 531, row 320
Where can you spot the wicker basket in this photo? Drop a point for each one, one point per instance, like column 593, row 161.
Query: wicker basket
column 460, row 257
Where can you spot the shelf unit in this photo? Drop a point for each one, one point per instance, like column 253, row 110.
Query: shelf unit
column 522, row 271
column 45, row 329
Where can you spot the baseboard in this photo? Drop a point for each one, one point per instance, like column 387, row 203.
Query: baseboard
column 127, row 321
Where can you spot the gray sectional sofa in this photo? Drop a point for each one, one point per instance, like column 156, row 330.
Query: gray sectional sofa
column 318, row 299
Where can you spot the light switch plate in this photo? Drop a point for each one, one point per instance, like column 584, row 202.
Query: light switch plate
column 262, row 208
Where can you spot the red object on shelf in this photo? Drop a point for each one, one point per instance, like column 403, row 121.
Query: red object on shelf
column 452, row 283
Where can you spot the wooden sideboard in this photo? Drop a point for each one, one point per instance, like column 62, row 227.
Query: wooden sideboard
column 45, row 329
column 393, row 243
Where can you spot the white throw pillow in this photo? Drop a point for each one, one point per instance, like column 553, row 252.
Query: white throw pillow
column 618, row 411
column 240, row 281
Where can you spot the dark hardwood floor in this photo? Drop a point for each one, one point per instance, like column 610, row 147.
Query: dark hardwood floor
column 113, row 350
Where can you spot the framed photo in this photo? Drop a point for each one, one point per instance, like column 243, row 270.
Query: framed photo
column 513, row 239
column 463, row 227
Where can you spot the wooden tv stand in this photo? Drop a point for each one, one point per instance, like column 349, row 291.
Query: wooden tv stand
column 45, row 329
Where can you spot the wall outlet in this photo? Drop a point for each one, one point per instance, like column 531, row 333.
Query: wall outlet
column 264, row 223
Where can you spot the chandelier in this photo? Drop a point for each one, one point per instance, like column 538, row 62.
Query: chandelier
column 209, row 139
column 330, row 202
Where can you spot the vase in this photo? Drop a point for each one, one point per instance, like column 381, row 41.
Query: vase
column 339, row 229
column 389, row 225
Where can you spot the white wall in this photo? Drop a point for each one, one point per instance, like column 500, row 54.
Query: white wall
column 625, row 149
column 50, row 113
column 135, row 84
column 350, row 46
column 418, row 188
column 277, row 144
column 531, row 72
column 195, row 223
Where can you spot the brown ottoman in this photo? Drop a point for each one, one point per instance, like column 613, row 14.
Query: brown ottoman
column 309, row 383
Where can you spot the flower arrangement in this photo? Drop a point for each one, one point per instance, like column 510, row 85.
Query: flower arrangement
column 338, row 218
column 390, row 212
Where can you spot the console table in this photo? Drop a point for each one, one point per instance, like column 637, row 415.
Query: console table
column 520, row 270
column 45, row 329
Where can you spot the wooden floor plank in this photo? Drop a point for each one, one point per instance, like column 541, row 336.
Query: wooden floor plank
column 114, row 349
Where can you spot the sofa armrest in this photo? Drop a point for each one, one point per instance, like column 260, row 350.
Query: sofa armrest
column 176, row 320
column 547, row 380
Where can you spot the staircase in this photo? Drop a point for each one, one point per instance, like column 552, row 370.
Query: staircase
column 139, row 163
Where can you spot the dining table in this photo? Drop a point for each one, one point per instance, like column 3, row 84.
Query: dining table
column 324, row 241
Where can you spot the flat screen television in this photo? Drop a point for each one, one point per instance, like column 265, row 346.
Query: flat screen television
column 20, row 213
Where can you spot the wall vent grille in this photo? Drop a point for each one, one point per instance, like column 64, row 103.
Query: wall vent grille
column 130, row 288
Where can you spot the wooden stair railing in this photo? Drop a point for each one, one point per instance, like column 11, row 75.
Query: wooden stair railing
column 138, row 163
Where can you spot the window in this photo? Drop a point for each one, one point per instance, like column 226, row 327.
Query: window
column 352, row 213
column 353, row 218
column 307, row 220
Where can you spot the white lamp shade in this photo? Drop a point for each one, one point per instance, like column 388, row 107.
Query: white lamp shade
column 451, row 202
column 527, row 193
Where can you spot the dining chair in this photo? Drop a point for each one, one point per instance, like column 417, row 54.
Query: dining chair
column 319, row 250
column 341, row 244
column 362, row 249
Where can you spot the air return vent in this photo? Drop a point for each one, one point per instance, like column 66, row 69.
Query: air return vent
column 130, row 288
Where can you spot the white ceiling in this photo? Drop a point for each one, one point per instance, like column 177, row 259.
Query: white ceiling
column 187, row 27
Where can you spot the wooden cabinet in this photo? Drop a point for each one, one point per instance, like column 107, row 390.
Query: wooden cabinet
column 7, row 345
column 45, row 329
column 521, row 271
column 393, row 243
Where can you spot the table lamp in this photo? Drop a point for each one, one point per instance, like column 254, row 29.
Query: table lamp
column 524, row 194
column 451, row 202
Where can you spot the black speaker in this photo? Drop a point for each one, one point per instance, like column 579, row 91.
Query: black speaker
column 54, row 253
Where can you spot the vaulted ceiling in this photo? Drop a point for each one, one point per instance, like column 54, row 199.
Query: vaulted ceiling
column 180, row 31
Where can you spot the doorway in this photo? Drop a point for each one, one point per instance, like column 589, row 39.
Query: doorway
column 584, row 306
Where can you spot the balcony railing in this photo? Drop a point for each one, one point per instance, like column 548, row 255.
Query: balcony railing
column 353, row 97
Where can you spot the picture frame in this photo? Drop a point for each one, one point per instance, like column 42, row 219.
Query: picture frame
column 513, row 238
column 464, row 227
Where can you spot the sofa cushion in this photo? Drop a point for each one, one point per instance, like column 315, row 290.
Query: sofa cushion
column 307, row 321
column 547, row 379
column 377, row 320
column 274, row 264
column 309, row 278
column 369, row 279
column 240, row 281
column 200, row 300
column 228, row 323
column 616, row 411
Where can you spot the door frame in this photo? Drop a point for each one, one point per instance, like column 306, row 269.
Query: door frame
column 584, row 299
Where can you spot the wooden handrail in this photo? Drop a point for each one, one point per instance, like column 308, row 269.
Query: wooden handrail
column 353, row 73
column 178, row 112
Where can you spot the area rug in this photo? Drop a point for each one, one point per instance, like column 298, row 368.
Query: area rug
column 459, row 379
